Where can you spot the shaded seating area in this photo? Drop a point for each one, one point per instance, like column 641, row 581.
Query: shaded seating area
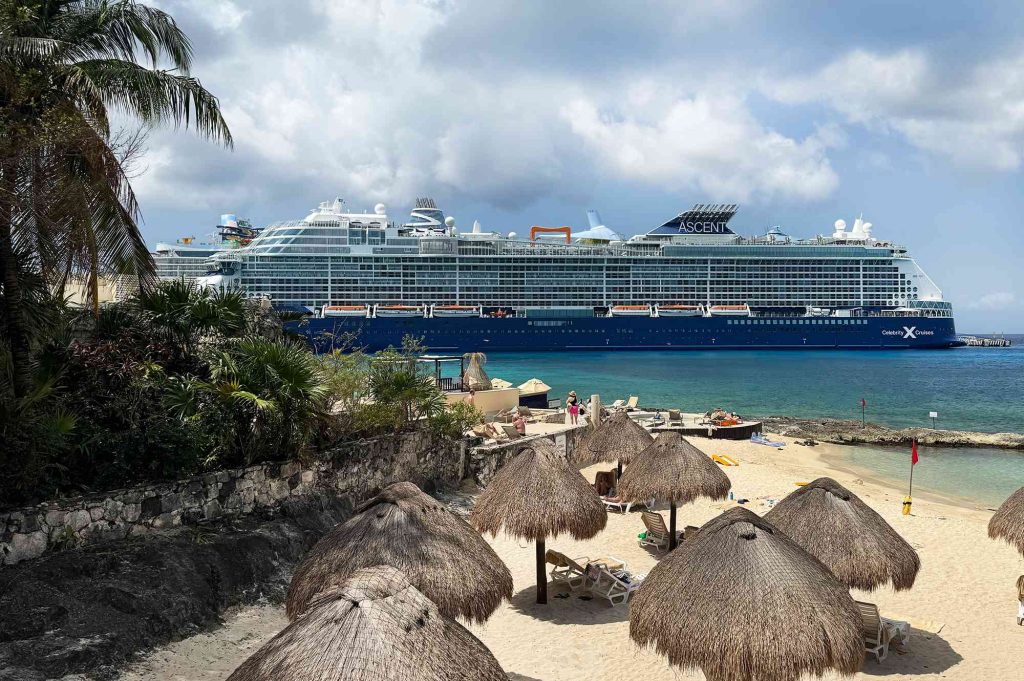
column 656, row 533
column 608, row 578
column 879, row 632
column 617, row 503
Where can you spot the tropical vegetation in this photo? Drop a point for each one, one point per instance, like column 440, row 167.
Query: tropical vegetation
column 181, row 380
column 176, row 380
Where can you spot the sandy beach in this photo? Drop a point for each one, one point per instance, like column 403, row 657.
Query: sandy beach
column 962, row 607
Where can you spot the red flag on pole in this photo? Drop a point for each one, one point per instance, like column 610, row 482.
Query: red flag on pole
column 913, row 455
column 863, row 403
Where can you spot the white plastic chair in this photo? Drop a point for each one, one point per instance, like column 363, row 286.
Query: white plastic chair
column 614, row 585
column 624, row 506
column 880, row 632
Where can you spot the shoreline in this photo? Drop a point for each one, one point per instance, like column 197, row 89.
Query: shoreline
column 832, row 458
column 955, row 634
column 852, row 432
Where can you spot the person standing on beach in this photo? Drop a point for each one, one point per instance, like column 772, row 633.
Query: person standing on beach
column 572, row 404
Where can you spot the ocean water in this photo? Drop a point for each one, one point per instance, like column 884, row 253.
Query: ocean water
column 982, row 476
column 980, row 389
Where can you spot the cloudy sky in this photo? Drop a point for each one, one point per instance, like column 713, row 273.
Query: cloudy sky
column 529, row 112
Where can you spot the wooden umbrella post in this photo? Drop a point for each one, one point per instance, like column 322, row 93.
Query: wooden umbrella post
column 618, row 470
column 672, row 527
column 542, row 578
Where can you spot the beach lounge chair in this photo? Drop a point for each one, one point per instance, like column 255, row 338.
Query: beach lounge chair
column 880, row 632
column 617, row 404
column 674, row 415
column 615, row 584
column 632, row 402
column 1020, row 597
column 618, row 504
column 657, row 533
column 568, row 572
column 511, row 432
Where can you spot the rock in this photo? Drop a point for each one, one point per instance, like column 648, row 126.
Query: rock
column 55, row 518
column 77, row 520
column 132, row 512
column 151, row 507
column 279, row 489
column 96, row 513
column 170, row 502
column 840, row 431
column 89, row 610
column 212, row 510
column 26, row 546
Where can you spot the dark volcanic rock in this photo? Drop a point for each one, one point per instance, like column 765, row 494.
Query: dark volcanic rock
column 89, row 610
column 840, row 431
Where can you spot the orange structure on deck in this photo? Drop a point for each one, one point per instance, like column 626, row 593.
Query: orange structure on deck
column 536, row 228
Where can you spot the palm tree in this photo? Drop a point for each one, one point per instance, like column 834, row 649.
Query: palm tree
column 182, row 313
column 66, row 204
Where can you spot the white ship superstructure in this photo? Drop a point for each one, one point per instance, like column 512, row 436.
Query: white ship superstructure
column 335, row 256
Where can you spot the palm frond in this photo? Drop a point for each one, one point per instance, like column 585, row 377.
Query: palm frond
column 158, row 97
column 123, row 30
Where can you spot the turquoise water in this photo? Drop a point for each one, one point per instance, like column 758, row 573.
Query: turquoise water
column 984, row 476
column 978, row 389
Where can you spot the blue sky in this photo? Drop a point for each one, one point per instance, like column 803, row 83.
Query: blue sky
column 530, row 112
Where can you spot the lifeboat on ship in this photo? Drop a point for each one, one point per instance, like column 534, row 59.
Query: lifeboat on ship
column 346, row 310
column 680, row 310
column 729, row 310
column 398, row 311
column 455, row 311
column 630, row 310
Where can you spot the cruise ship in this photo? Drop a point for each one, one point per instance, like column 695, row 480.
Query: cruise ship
column 190, row 259
column 689, row 283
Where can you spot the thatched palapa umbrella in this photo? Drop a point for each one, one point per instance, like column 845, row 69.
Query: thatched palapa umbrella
column 538, row 494
column 1008, row 521
column 743, row 602
column 373, row 626
column 832, row 524
column 475, row 378
column 619, row 438
column 439, row 552
column 673, row 470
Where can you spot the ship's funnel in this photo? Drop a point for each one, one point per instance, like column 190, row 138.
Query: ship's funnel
column 476, row 227
column 594, row 219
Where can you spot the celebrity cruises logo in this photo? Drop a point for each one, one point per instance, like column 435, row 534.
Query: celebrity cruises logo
column 908, row 332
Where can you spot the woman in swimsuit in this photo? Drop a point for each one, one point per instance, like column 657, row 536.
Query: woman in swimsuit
column 573, row 404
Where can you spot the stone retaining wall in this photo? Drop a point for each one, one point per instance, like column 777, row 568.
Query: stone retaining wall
column 486, row 460
column 353, row 473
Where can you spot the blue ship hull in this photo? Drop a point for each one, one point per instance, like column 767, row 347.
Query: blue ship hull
column 518, row 334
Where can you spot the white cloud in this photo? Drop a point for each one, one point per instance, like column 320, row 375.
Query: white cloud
column 995, row 300
column 355, row 103
column 709, row 141
column 972, row 116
